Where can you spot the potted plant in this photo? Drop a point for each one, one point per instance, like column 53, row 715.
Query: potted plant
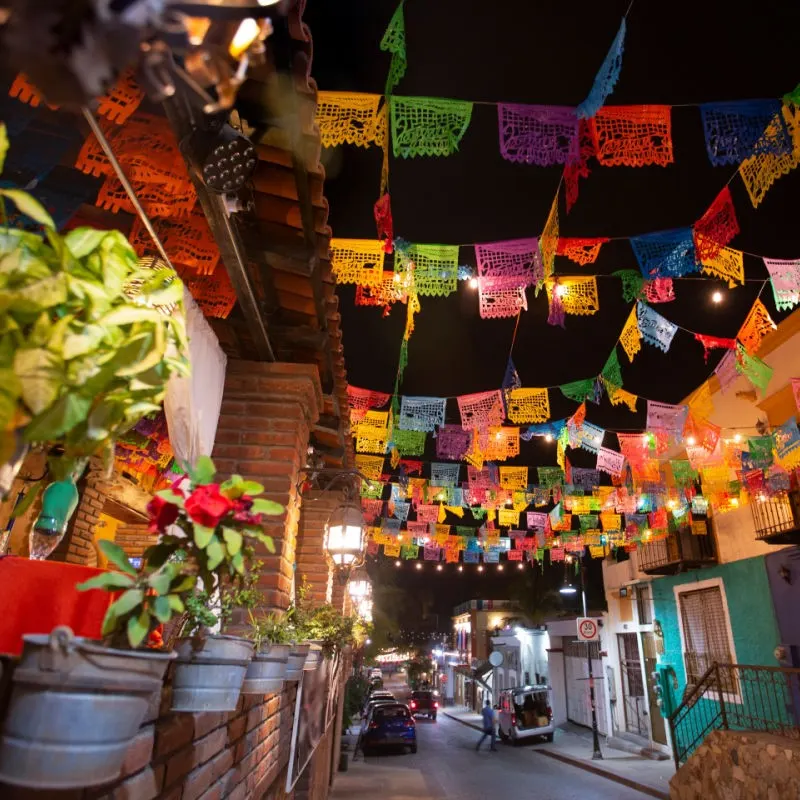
column 76, row 704
column 296, row 618
column 271, row 637
column 217, row 525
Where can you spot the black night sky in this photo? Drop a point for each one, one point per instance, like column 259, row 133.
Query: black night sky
column 548, row 52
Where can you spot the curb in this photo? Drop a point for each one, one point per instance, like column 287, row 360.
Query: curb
column 640, row 787
column 631, row 784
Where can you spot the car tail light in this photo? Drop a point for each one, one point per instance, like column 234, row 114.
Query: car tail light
column 435, row 704
column 410, row 723
column 514, row 719
column 413, row 705
column 373, row 726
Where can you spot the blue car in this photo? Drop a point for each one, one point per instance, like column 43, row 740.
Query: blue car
column 389, row 725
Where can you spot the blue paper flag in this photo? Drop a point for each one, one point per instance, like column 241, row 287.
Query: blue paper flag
column 655, row 329
column 606, row 78
column 666, row 254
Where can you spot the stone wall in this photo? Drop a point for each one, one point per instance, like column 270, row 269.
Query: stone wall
column 740, row 765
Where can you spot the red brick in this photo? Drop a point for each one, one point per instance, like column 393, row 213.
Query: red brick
column 266, row 468
column 139, row 752
column 212, row 793
column 197, row 781
column 239, row 451
column 173, row 732
column 236, row 729
column 205, row 723
column 179, row 764
column 222, row 763
column 141, row 786
column 230, row 407
column 290, row 454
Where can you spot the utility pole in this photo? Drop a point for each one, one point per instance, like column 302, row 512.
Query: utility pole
column 597, row 754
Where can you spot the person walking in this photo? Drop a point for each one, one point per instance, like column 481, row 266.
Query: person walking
column 487, row 712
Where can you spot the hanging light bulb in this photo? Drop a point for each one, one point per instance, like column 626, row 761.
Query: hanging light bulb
column 473, row 283
column 561, row 289
column 480, row 567
column 548, row 437
column 691, row 441
column 716, row 297
column 397, row 563
column 520, row 565
column 419, row 566
column 499, row 567
column 737, row 437
column 439, row 567
column 460, row 568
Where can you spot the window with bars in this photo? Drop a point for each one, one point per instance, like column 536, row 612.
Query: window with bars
column 704, row 621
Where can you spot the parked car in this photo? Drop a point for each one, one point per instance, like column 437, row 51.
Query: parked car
column 375, row 673
column 389, row 725
column 424, row 702
column 526, row 711
column 377, row 698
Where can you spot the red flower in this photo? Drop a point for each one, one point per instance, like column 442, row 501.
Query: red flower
column 206, row 506
column 161, row 514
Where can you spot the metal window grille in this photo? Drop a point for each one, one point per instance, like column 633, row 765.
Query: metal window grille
column 772, row 515
column 705, row 634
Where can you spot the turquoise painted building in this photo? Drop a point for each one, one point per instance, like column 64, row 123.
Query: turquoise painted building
column 722, row 614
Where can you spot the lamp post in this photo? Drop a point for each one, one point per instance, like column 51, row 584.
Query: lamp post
column 569, row 589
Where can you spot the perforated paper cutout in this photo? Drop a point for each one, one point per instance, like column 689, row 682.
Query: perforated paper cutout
column 501, row 297
column 582, row 251
column 758, row 372
column 481, row 410
column 757, row 325
column 548, row 242
column 579, row 168
column 606, row 78
column 422, row 413
column 633, row 136
column 528, row 405
column 659, row 290
column 435, row 268
column 371, row 467
column 409, row 443
column 357, row 261
column 452, row 442
column 655, row 329
column 578, row 295
column 542, row 135
column 716, row 227
column 630, row 338
column 345, row 118
column 666, row 254
column 394, row 42
column 735, row 131
column 515, row 258
column 727, row 264
column 514, row 477
column 365, row 398
column 444, row 474
column 785, row 281
column 428, row 126
column 666, row 417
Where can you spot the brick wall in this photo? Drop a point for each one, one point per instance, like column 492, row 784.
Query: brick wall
column 134, row 538
column 268, row 411
column 311, row 561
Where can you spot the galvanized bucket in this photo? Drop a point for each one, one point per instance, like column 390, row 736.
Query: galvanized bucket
column 314, row 658
column 209, row 672
column 267, row 671
column 297, row 659
column 74, row 708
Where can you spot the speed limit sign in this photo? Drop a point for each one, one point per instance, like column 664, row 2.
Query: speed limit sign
column 587, row 629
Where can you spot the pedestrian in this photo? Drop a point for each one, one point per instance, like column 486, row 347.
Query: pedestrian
column 488, row 726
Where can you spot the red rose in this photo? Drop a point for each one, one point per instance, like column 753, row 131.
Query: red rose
column 206, row 506
column 161, row 514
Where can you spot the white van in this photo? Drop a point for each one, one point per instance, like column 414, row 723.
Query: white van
column 526, row 711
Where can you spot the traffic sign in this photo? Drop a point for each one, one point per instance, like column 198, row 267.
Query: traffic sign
column 588, row 630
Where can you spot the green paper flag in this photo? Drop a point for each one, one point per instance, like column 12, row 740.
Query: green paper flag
column 611, row 371
column 409, row 443
column 753, row 368
column 394, row 42
column 682, row 472
column 578, row 390
column 793, row 97
column 632, row 284
column 428, row 126
column 550, row 476
column 403, row 362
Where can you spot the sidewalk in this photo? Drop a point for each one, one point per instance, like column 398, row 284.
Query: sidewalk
column 573, row 745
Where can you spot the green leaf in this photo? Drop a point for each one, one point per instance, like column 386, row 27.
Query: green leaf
column 162, row 610
column 116, row 555
column 62, row 416
column 175, row 603
column 233, row 487
column 48, row 292
column 215, row 552
column 264, row 506
column 202, row 535
column 160, row 581
column 40, row 373
column 238, row 563
column 3, row 145
column 128, row 314
column 204, row 471
column 252, row 488
column 82, row 241
column 171, row 496
column 265, row 540
column 27, row 500
column 109, row 622
column 106, row 580
column 233, row 539
column 128, row 601
column 156, row 555
column 138, row 628
column 87, row 340
column 29, row 206
column 187, row 582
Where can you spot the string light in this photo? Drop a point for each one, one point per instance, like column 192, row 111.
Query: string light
column 439, row 567
column 561, row 289
column 397, row 563
column 480, row 567
column 520, row 565
column 499, row 567
column 737, row 437
column 691, row 441
column 473, row 283
column 548, row 437
column 716, row 297
column 460, row 568
column 419, row 565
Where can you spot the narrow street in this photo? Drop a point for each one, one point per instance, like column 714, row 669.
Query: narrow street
column 447, row 766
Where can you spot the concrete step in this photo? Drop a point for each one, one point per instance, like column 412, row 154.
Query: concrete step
column 630, row 743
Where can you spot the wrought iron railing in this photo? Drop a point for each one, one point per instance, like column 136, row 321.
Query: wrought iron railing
column 736, row 697
column 681, row 546
column 775, row 515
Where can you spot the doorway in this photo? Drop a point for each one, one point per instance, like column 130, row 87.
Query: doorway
column 634, row 700
column 659, row 726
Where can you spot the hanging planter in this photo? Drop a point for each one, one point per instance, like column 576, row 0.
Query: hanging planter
column 267, row 671
column 314, row 657
column 298, row 654
column 209, row 672
column 74, row 708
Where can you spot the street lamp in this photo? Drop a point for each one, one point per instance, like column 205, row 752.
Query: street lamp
column 569, row 589
column 344, row 536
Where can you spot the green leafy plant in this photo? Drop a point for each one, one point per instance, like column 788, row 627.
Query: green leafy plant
column 199, row 616
column 86, row 345
column 271, row 629
column 332, row 629
column 147, row 599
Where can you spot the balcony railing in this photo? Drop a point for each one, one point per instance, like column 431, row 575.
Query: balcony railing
column 777, row 518
column 677, row 552
column 736, row 697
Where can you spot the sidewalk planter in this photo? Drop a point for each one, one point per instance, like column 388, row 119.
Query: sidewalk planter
column 314, row 657
column 209, row 672
column 267, row 671
column 297, row 659
column 74, row 708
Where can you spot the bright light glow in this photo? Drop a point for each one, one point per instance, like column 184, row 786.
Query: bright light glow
column 460, row 568
column 397, row 563
column 548, row 437
column 480, row 567
column 691, row 441
column 368, row 641
column 344, row 535
column 499, row 567
column 473, row 283
column 509, row 501
column 247, row 33
column 735, row 502
column 567, row 588
column 671, row 504
column 520, row 565
column 737, row 437
column 561, row 289
column 268, row 2
column 716, row 297
column 419, row 566
column 439, row 567
column 647, row 532
column 359, row 589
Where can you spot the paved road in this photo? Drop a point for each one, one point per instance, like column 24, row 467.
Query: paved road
column 447, row 766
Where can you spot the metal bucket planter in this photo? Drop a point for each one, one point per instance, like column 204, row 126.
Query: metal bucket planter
column 74, row 708
column 209, row 672
column 297, row 659
column 267, row 671
column 314, row 658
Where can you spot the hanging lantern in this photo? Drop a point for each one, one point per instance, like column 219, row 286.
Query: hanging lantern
column 344, row 535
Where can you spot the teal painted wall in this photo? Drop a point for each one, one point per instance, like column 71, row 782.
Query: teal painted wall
column 755, row 635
